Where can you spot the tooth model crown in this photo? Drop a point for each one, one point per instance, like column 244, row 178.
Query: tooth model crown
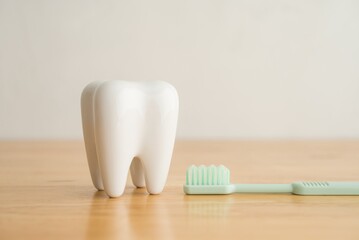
column 129, row 125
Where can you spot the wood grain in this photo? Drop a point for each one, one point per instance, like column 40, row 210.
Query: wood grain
column 46, row 193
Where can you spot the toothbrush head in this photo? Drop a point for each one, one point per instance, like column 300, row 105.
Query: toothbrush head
column 207, row 180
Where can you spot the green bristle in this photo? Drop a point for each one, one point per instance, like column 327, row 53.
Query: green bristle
column 211, row 175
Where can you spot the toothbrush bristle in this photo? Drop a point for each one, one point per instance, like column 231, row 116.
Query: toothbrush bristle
column 207, row 175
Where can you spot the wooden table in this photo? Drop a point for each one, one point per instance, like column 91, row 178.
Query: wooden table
column 46, row 193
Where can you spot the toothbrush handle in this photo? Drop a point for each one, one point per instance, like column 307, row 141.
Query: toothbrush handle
column 326, row 188
column 302, row 188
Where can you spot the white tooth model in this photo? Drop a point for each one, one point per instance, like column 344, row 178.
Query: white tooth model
column 129, row 125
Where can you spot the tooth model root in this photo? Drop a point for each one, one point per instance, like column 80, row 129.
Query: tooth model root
column 129, row 126
column 89, row 135
column 156, row 175
column 137, row 173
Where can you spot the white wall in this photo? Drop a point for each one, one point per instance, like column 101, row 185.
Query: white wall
column 243, row 69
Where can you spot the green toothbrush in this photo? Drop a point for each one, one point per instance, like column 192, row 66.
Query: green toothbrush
column 215, row 180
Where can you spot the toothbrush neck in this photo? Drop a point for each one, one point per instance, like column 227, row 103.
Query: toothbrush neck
column 263, row 188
